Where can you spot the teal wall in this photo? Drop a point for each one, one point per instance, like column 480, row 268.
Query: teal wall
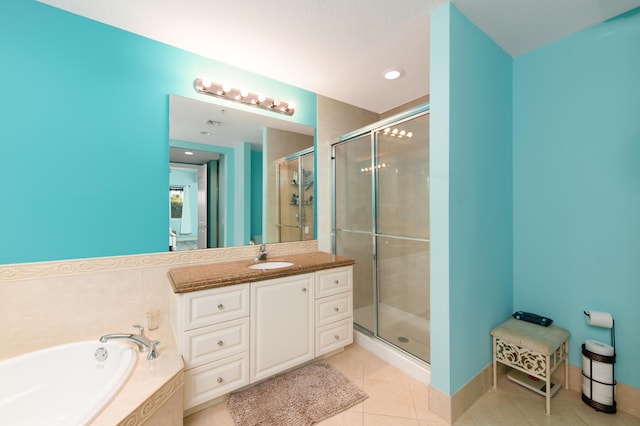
column 471, row 188
column 576, row 161
column 84, row 114
column 256, row 193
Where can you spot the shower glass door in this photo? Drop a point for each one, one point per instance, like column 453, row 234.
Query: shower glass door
column 381, row 190
column 402, row 235
column 354, row 223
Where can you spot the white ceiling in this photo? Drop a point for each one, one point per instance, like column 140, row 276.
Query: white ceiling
column 339, row 48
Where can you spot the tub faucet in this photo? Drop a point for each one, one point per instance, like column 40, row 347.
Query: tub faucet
column 262, row 254
column 143, row 343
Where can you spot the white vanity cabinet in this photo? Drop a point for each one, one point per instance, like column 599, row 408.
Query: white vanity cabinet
column 238, row 334
column 282, row 324
column 334, row 309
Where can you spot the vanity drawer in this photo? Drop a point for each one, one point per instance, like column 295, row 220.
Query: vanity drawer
column 334, row 281
column 215, row 342
column 334, row 308
column 334, row 336
column 210, row 381
column 207, row 307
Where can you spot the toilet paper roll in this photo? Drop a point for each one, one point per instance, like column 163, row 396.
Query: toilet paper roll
column 599, row 319
column 599, row 348
column 601, row 393
column 602, row 372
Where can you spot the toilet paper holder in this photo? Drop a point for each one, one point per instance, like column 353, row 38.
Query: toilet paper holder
column 603, row 360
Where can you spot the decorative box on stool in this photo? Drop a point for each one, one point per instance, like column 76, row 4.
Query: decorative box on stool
column 534, row 350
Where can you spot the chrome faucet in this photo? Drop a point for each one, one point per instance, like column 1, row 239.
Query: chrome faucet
column 143, row 343
column 262, row 254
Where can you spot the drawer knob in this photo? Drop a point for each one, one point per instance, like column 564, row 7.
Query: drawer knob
column 336, row 337
column 220, row 306
column 304, row 290
column 336, row 309
column 336, row 282
column 220, row 343
column 220, row 380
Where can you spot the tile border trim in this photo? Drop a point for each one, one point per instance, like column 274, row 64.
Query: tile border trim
column 25, row 271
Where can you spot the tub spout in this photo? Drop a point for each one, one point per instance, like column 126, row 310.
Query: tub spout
column 143, row 343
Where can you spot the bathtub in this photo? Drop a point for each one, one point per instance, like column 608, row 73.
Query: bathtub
column 63, row 385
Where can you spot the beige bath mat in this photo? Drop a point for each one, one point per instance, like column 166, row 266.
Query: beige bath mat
column 300, row 397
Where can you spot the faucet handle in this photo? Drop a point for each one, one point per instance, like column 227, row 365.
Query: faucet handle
column 153, row 352
column 139, row 327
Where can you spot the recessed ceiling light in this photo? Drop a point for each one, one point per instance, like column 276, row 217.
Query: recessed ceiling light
column 392, row 73
column 188, row 153
column 205, row 133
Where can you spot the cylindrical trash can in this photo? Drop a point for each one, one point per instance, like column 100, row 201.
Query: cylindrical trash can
column 598, row 381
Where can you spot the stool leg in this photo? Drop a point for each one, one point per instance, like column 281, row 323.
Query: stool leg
column 548, row 387
column 495, row 365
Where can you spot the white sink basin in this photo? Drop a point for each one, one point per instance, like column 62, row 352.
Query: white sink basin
column 270, row 265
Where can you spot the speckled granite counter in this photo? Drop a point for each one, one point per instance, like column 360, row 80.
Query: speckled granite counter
column 194, row 278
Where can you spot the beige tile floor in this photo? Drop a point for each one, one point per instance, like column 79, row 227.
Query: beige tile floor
column 396, row 399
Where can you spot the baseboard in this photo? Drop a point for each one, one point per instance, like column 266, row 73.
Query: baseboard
column 450, row 408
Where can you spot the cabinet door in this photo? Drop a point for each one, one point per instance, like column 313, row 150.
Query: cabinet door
column 281, row 324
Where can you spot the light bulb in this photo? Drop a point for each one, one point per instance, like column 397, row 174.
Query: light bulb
column 392, row 74
column 409, row 134
column 206, row 83
column 291, row 105
column 261, row 97
column 226, row 88
column 244, row 93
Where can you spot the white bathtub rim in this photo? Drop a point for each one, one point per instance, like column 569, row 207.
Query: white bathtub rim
column 120, row 375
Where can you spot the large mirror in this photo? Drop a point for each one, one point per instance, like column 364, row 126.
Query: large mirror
column 237, row 177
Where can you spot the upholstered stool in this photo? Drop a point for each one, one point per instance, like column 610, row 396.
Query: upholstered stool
column 533, row 349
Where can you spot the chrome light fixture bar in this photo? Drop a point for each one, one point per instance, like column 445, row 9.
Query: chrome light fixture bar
column 242, row 96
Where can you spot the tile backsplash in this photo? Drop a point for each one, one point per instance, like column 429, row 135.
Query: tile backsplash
column 50, row 303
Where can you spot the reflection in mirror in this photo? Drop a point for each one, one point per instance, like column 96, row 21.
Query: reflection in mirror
column 224, row 171
column 291, row 218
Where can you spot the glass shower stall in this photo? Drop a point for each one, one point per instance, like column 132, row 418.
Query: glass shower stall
column 381, row 219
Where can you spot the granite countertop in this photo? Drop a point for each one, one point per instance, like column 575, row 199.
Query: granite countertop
column 203, row 277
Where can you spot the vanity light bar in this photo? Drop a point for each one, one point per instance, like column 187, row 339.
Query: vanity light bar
column 242, row 96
